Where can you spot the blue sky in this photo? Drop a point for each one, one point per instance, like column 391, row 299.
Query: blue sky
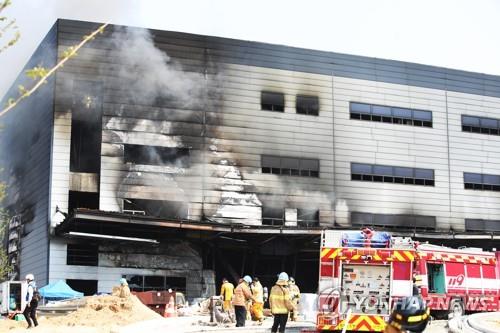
column 460, row 34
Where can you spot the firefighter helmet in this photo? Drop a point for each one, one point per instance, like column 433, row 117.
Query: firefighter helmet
column 410, row 313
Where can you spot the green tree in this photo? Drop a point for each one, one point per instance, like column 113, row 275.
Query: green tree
column 9, row 31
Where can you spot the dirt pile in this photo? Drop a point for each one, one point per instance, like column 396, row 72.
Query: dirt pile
column 102, row 312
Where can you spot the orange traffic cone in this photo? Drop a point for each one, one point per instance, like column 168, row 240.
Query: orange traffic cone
column 170, row 309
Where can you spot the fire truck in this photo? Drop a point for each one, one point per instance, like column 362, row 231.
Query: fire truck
column 362, row 273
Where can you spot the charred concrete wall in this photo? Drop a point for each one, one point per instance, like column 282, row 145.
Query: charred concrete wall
column 177, row 259
column 25, row 152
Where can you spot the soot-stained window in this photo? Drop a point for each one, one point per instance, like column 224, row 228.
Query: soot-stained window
column 272, row 101
column 273, row 216
column 87, row 200
column 155, row 282
column 158, row 208
column 290, row 166
column 155, row 155
column 482, row 225
column 307, row 105
column 86, row 127
column 403, row 221
column 481, row 182
column 82, row 255
column 87, row 287
column 308, row 217
column 392, row 174
column 389, row 114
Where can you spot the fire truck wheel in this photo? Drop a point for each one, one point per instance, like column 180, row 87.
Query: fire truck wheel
column 457, row 307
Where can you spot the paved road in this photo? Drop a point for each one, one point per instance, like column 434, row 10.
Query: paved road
column 199, row 324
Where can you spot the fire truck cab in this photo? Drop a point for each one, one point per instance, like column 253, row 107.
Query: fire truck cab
column 362, row 273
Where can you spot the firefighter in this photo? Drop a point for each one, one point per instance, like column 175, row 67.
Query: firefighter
column 410, row 314
column 242, row 294
column 295, row 296
column 280, row 303
column 226, row 293
column 257, row 309
column 124, row 290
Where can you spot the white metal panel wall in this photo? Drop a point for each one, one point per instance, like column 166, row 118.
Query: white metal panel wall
column 390, row 144
column 473, row 152
column 247, row 132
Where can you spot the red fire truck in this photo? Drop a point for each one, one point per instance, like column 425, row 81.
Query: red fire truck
column 363, row 272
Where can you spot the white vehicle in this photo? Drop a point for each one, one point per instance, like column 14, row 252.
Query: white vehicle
column 12, row 296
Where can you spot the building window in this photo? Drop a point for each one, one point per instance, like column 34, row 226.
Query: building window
column 86, row 127
column 82, row 255
column 392, row 174
column 290, row 166
column 155, row 282
column 272, row 101
column 482, row 225
column 88, row 200
column 480, row 125
column 396, row 221
column 308, row 218
column 307, row 105
column 389, row 114
column 154, row 155
column 176, row 210
column 273, row 216
column 478, row 181
column 87, row 287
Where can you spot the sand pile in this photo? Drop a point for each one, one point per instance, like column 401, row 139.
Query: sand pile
column 102, row 312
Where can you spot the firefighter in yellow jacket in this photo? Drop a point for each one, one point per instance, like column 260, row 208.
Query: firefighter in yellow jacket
column 257, row 309
column 281, row 303
column 295, row 296
column 226, row 293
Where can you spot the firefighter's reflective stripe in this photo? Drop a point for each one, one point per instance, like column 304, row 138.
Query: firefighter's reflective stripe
column 419, row 318
column 358, row 323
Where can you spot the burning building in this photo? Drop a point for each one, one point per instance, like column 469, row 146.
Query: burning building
column 174, row 159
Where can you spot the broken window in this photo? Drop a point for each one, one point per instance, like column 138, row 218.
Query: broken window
column 388, row 114
column 158, row 208
column 478, row 181
column 82, row 255
column 273, row 216
column 155, row 282
column 272, row 101
column 87, row 200
column 154, row 155
column 392, row 174
column 86, row 127
column 290, row 166
column 308, row 217
column 307, row 105
column 87, row 287
column 480, row 125
column 402, row 221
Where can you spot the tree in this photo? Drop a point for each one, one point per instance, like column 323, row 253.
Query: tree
column 8, row 28
column 40, row 74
